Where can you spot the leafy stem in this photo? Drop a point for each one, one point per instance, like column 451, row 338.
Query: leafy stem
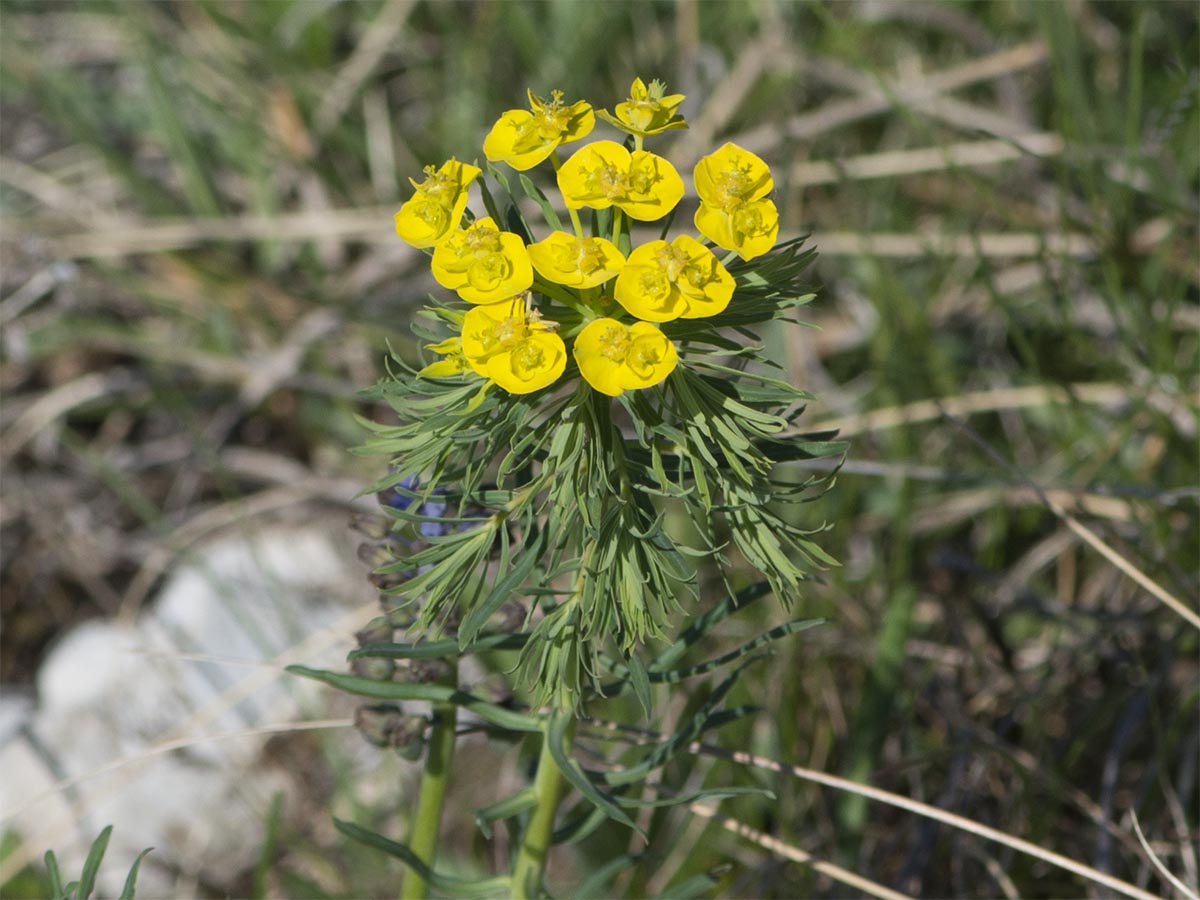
column 434, row 779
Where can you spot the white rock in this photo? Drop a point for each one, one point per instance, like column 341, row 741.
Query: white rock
column 110, row 696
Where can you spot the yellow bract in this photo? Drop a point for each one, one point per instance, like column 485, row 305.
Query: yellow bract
column 575, row 262
column 523, row 138
column 483, row 263
column 649, row 110
column 453, row 363
column 734, row 211
column 513, row 347
column 682, row 279
column 614, row 358
column 435, row 210
column 603, row 174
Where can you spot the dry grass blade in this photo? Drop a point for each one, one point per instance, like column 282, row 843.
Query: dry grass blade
column 51, row 406
column 968, row 154
column 932, row 812
column 970, row 403
column 379, row 38
column 1141, row 578
column 1158, row 863
column 225, row 516
column 883, row 96
column 366, row 224
column 787, row 851
column 985, row 244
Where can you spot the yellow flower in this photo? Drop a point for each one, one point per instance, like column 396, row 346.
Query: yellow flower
column 734, row 211
column 454, row 362
column 649, row 110
column 605, row 174
column 435, row 210
column 732, row 174
column 523, row 138
column 682, row 279
column 483, row 263
column 613, row 358
column 513, row 347
column 575, row 262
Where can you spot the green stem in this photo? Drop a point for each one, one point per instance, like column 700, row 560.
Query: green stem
column 557, row 163
column 438, row 754
column 535, row 843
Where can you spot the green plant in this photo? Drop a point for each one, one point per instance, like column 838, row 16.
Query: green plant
column 580, row 501
column 83, row 887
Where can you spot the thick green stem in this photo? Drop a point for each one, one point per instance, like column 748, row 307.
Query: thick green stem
column 535, row 843
column 438, row 754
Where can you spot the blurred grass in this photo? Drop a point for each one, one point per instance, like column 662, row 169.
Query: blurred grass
column 198, row 263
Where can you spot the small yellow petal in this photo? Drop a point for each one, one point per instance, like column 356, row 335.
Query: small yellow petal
column 731, row 176
column 579, row 263
column 682, row 279
column 613, row 358
column 524, row 138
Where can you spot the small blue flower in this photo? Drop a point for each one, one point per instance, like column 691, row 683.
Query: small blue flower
column 432, row 509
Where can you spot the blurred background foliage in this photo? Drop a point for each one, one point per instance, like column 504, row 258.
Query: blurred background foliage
column 199, row 271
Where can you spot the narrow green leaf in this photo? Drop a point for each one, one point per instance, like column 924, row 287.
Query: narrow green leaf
column 707, row 794
column 709, row 620
column 91, row 865
column 581, row 827
column 438, row 649
column 688, row 731
column 270, row 843
column 573, row 772
column 435, row 693
column 534, row 193
column 488, row 202
column 695, row 886
column 596, row 884
column 779, row 631
column 460, row 886
column 53, row 874
column 640, row 680
column 522, row 800
column 474, row 621
column 131, row 878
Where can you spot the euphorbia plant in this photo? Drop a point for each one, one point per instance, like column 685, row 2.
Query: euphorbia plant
column 598, row 428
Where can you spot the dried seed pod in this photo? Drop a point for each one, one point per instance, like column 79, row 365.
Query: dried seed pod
column 375, row 555
column 423, row 671
column 377, row 723
column 373, row 526
column 386, row 725
column 508, row 618
column 376, row 668
column 379, row 630
column 400, row 616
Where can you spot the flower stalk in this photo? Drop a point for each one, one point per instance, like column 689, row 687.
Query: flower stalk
column 535, row 842
column 434, row 780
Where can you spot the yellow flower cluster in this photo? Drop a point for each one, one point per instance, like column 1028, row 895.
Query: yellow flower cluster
column 504, row 338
